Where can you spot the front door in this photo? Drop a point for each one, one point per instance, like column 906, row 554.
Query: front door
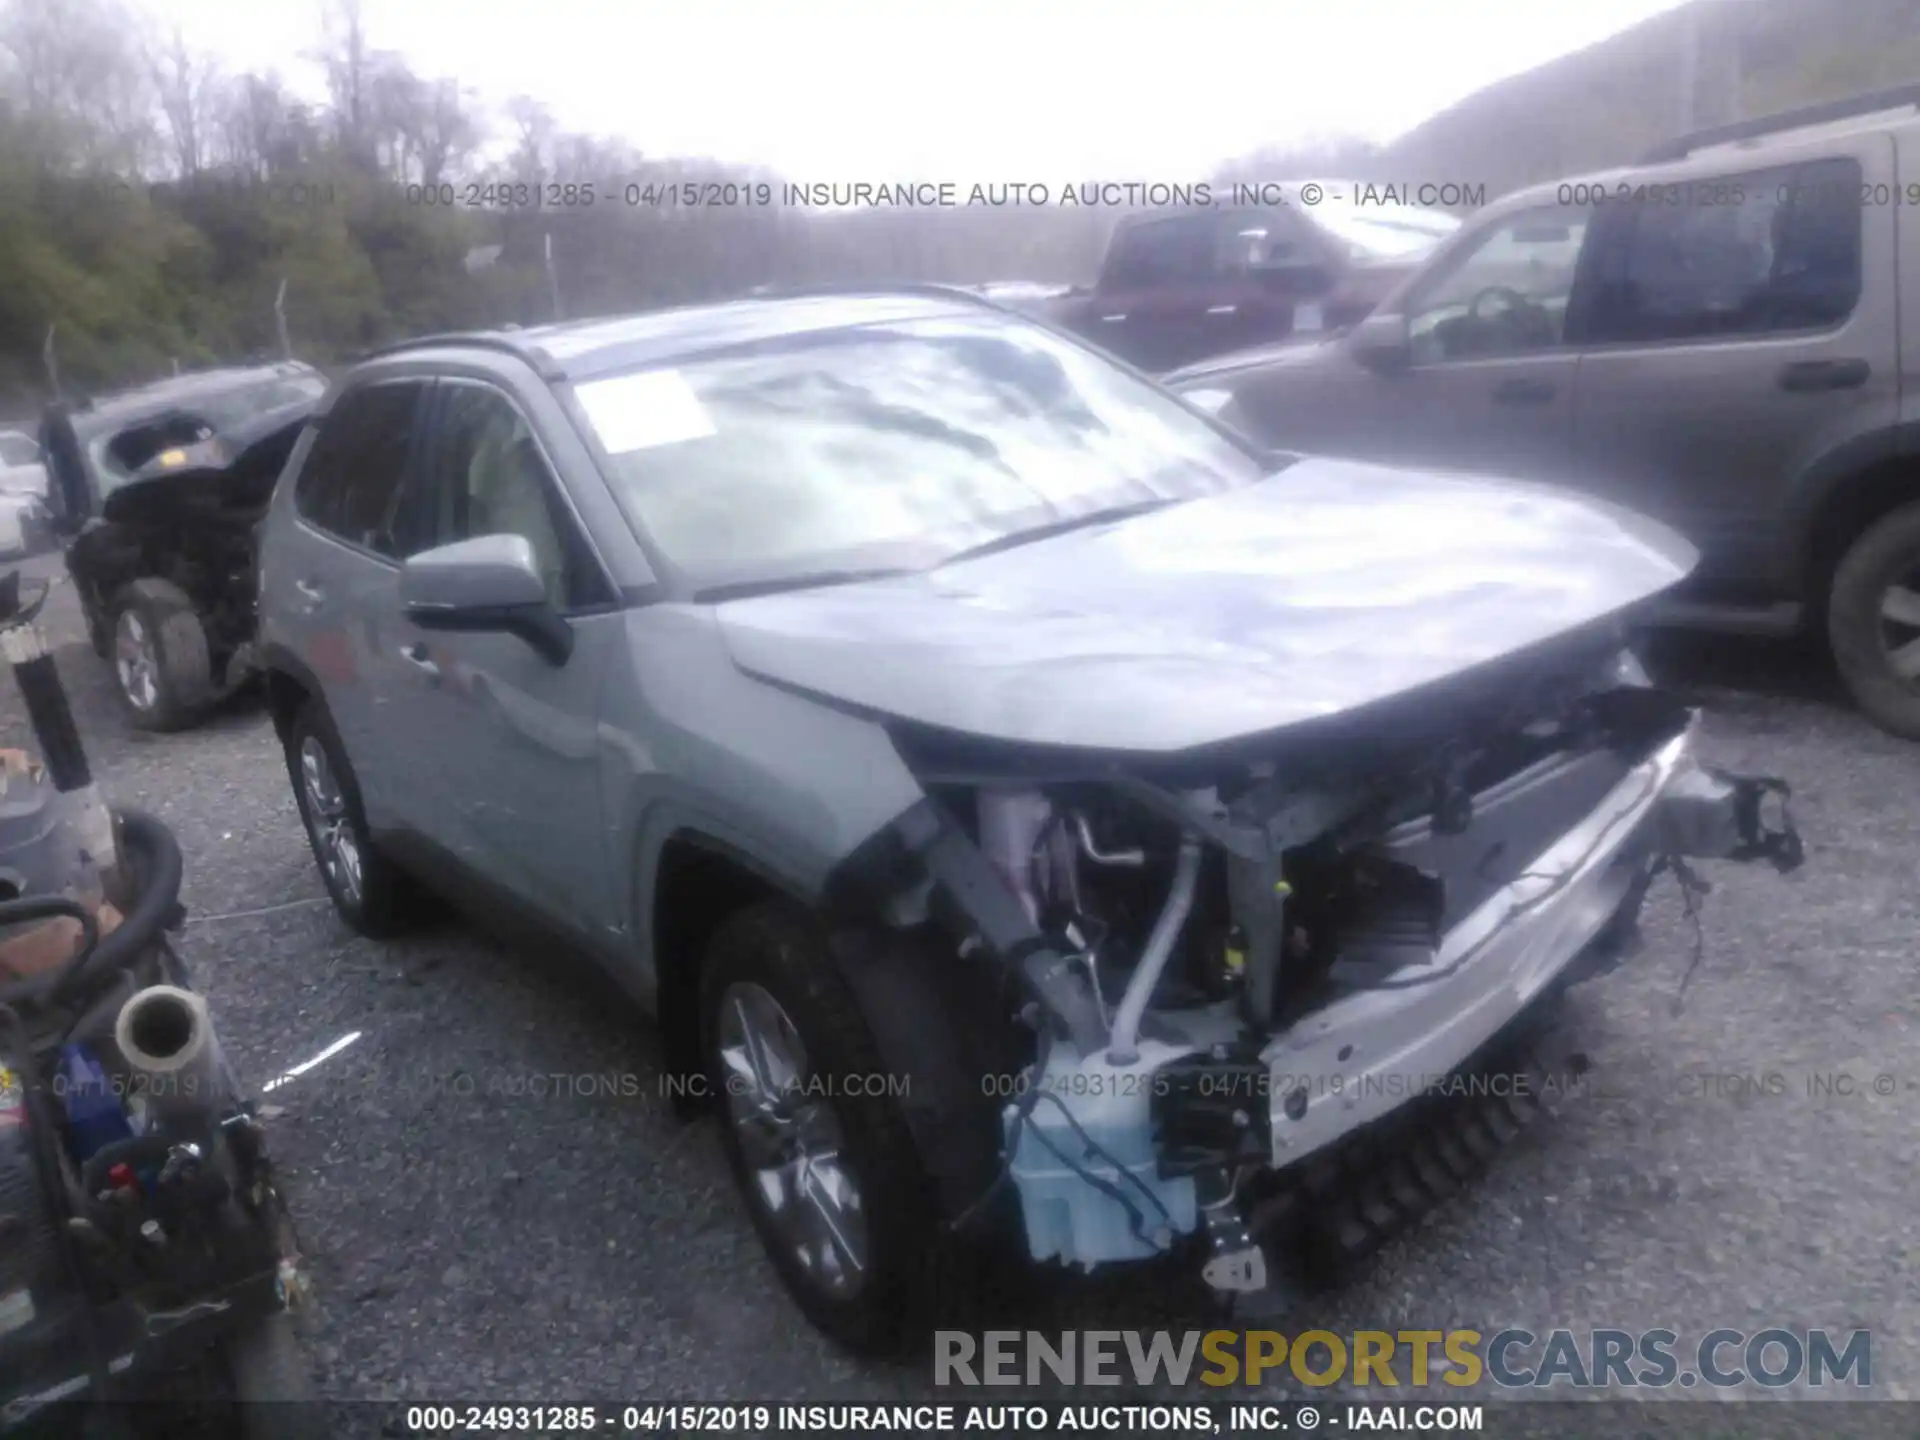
column 513, row 739
column 1489, row 382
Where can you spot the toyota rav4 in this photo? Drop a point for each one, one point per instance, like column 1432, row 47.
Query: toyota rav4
column 1043, row 823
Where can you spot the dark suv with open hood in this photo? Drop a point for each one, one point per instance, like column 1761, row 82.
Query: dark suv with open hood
column 1044, row 823
column 160, row 490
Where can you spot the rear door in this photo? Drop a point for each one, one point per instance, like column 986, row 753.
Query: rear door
column 332, row 589
column 1160, row 281
column 1275, row 272
column 1736, row 335
column 511, row 746
column 1180, row 288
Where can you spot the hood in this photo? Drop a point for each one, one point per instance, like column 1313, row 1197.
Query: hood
column 1302, row 350
column 234, row 469
column 1329, row 586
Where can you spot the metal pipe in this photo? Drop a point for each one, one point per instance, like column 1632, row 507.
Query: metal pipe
column 1103, row 857
column 1124, row 1048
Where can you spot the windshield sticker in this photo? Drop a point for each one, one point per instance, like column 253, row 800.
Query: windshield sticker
column 638, row 412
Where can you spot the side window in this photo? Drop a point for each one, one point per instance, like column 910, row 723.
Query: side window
column 351, row 483
column 489, row 478
column 1780, row 251
column 1506, row 295
column 1164, row 252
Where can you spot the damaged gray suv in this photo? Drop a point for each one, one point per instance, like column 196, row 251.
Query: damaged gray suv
column 1045, row 826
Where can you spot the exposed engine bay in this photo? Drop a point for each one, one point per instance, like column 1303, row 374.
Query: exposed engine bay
column 141, row 1232
column 175, row 544
column 1247, row 968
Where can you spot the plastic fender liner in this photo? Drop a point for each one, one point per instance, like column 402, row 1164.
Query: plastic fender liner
column 925, row 847
column 941, row 1035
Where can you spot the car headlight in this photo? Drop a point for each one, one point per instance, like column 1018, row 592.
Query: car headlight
column 1211, row 401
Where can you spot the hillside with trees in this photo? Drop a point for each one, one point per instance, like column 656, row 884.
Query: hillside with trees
column 152, row 206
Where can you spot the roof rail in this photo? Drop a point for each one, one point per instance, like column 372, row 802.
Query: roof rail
column 1831, row 111
column 538, row 358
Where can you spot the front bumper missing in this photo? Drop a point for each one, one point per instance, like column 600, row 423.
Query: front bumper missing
column 1369, row 1052
column 1366, row 1053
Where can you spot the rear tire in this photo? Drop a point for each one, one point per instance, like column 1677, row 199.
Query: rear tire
column 1873, row 621
column 161, row 667
column 367, row 888
column 772, row 960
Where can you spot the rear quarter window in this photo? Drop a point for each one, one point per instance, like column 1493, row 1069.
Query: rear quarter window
column 350, row 483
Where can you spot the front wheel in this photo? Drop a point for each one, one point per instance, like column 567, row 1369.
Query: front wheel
column 366, row 888
column 821, row 1151
column 1873, row 621
column 160, row 658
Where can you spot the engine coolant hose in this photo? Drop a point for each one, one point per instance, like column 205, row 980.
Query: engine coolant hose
column 144, row 839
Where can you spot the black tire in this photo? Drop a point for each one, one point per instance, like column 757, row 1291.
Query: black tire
column 779, row 947
column 378, row 905
column 1884, row 554
column 160, row 618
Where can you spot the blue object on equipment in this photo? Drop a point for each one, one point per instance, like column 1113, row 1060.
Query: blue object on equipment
column 95, row 1116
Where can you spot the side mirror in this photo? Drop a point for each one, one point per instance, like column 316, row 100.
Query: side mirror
column 487, row 583
column 1381, row 342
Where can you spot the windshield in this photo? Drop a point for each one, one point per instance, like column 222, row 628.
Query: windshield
column 1394, row 232
column 895, row 445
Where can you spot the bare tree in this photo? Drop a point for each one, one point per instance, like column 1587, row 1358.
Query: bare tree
column 188, row 87
column 450, row 132
column 76, row 76
column 350, row 70
column 534, row 135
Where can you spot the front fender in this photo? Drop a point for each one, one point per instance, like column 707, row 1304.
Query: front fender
column 1877, row 437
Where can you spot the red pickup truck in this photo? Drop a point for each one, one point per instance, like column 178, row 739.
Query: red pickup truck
column 1182, row 285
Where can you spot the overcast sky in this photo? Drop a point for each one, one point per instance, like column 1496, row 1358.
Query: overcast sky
column 1049, row 91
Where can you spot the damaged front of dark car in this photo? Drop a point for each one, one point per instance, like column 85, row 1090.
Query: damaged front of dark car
column 162, row 497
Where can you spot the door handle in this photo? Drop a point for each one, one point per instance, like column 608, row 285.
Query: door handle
column 1523, row 392
column 1802, row 376
column 1112, row 319
column 421, row 658
column 1222, row 309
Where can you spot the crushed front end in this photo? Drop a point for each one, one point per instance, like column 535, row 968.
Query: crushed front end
column 1255, row 976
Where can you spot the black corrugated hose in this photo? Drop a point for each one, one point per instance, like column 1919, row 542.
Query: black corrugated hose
column 99, row 958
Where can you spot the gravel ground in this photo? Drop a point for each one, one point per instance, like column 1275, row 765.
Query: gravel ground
column 476, row 1234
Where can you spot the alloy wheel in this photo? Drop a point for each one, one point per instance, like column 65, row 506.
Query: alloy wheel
column 791, row 1140
column 327, row 819
column 135, row 662
column 1900, row 626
